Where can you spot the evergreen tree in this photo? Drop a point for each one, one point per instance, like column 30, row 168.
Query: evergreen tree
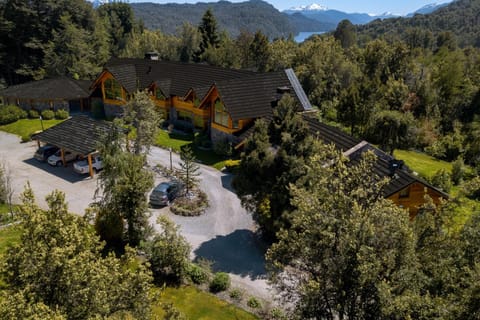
column 346, row 34
column 208, row 30
column 260, row 51
column 188, row 169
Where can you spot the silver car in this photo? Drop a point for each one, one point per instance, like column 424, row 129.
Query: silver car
column 165, row 192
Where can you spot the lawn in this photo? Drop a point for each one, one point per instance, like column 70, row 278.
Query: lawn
column 176, row 141
column 26, row 127
column 424, row 164
column 196, row 304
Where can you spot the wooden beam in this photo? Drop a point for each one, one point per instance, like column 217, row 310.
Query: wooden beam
column 90, row 167
column 62, row 153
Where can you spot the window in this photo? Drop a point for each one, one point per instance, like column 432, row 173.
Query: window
column 235, row 124
column 113, row 90
column 404, row 193
column 221, row 115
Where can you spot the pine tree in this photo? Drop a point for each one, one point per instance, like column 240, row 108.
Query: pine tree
column 208, row 30
column 189, row 169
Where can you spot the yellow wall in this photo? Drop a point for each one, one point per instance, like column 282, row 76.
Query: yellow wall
column 415, row 198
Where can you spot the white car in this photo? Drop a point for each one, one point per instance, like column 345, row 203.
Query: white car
column 56, row 158
column 81, row 166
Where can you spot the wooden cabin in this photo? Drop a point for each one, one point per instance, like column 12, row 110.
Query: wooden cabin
column 405, row 188
column 222, row 102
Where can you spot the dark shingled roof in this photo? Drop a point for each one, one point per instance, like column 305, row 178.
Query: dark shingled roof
column 56, row 88
column 353, row 148
column 246, row 94
column 79, row 134
column 399, row 179
column 329, row 134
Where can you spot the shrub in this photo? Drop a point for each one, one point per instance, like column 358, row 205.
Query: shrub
column 10, row 114
column 33, row 114
column 61, row 114
column 220, row 282
column 48, row 114
column 197, row 274
column 458, row 171
column 231, row 165
column 441, row 180
column 254, row 303
column 236, row 294
column 223, row 148
column 184, row 206
column 471, row 189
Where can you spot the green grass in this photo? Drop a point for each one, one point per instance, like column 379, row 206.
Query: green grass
column 176, row 141
column 26, row 127
column 196, row 304
column 424, row 164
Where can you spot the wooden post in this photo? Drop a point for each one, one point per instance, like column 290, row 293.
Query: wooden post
column 90, row 168
column 62, row 153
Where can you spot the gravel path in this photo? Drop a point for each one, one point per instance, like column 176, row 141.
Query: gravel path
column 224, row 234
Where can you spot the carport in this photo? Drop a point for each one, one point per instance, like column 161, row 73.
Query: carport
column 79, row 134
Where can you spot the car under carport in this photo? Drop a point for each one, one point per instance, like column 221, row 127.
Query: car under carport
column 79, row 134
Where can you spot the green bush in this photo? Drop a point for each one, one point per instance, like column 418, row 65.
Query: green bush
column 236, row 294
column 254, row 303
column 442, row 180
column 48, row 114
column 10, row 114
column 61, row 114
column 231, row 165
column 471, row 189
column 33, row 114
column 197, row 274
column 223, row 148
column 458, row 171
column 220, row 282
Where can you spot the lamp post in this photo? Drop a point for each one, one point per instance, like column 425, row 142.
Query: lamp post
column 171, row 166
column 41, row 122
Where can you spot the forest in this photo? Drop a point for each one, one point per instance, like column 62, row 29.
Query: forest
column 338, row 249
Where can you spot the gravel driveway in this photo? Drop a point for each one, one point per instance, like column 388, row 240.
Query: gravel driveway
column 224, row 234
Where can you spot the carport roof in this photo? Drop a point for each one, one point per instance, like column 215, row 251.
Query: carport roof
column 79, row 134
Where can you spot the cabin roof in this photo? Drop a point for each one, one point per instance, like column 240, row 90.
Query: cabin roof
column 48, row 89
column 353, row 148
column 80, row 134
column 246, row 94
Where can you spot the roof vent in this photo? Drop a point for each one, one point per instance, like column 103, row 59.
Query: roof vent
column 151, row 55
column 395, row 165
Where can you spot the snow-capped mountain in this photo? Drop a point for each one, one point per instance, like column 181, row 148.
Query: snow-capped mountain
column 429, row 8
column 310, row 7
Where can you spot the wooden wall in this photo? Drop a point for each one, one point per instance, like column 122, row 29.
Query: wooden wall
column 413, row 197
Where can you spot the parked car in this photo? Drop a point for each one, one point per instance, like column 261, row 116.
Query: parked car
column 44, row 152
column 165, row 192
column 81, row 166
column 56, row 158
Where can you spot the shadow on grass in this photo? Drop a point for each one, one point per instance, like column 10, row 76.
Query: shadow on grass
column 240, row 252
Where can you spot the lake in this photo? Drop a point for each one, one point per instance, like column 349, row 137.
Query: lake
column 302, row 36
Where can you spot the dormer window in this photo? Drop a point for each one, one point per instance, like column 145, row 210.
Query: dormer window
column 221, row 115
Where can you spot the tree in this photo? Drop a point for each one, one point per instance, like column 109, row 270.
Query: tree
column 348, row 253
column 168, row 253
column 58, row 263
column 346, row 34
column 260, row 51
column 208, row 30
column 274, row 156
column 141, row 114
column 6, row 188
column 124, row 183
column 188, row 169
column 190, row 38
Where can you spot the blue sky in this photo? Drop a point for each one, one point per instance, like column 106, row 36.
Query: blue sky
column 363, row 6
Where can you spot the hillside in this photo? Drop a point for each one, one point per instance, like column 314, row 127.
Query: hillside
column 252, row 15
column 461, row 18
